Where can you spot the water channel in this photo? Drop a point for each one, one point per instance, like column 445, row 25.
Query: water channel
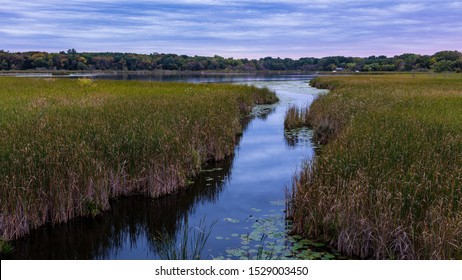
column 241, row 200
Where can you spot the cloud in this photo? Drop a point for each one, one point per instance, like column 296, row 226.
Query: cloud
column 255, row 28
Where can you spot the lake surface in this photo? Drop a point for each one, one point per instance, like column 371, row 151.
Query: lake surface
column 241, row 199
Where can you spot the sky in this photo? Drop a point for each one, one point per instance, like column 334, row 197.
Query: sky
column 239, row 29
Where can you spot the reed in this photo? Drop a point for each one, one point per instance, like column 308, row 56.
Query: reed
column 68, row 146
column 190, row 246
column 296, row 117
column 388, row 184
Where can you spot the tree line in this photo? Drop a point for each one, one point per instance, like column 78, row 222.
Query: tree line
column 444, row 61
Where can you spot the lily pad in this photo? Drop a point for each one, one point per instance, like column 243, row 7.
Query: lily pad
column 278, row 202
column 297, row 237
column 328, row 256
column 231, row 220
column 316, row 255
column 297, row 247
column 305, row 242
column 236, row 252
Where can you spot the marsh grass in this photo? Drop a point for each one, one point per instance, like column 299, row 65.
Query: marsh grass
column 68, row 146
column 388, row 185
column 296, row 117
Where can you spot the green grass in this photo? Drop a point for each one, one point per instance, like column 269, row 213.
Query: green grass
column 5, row 248
column 388, row 184
column 68, row 146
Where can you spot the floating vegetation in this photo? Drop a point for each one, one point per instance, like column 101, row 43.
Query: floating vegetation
column 231, row 220
column 263, row 111
column 298, row 136
column 268, row 239
column 278, row 203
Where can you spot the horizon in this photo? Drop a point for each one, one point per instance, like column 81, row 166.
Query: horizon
column 257, row 58
column 238, row 29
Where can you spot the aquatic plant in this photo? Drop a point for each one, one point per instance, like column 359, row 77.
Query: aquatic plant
column 189, row 247
column 268, row 238
column 296, row 117
column 68, row 146
column 388, row 184
column 5, row 248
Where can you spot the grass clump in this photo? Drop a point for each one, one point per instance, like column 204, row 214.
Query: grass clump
column 190, row 246
column 5, row 248
column 388, row 185
column 296, row 117
column 67, row 146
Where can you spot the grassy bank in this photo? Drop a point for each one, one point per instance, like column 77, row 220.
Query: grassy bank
column 68, row 146
column 389, row 182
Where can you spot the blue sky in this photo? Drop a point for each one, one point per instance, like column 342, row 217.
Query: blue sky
column 252, row 29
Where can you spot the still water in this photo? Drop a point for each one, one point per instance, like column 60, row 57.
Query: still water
column 241, row 200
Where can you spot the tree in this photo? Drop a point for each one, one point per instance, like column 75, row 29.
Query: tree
column 4, row 65
column 447, row 55
column 443, row 66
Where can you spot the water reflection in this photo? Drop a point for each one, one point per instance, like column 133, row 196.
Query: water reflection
column 298, row 137
column 135, row 222
column 202, row 77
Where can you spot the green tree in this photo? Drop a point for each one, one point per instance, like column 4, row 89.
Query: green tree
column 4, row 65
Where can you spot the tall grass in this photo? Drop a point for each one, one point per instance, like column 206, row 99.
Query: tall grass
column 190, row 246
column 67, row 146
column 296, row 117
column 389, row 182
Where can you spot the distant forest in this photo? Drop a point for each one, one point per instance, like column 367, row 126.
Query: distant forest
column 444, row 61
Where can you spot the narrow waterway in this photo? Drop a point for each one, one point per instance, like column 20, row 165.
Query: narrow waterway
column 240, row 200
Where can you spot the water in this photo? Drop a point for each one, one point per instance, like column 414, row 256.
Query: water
column 243, row 197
